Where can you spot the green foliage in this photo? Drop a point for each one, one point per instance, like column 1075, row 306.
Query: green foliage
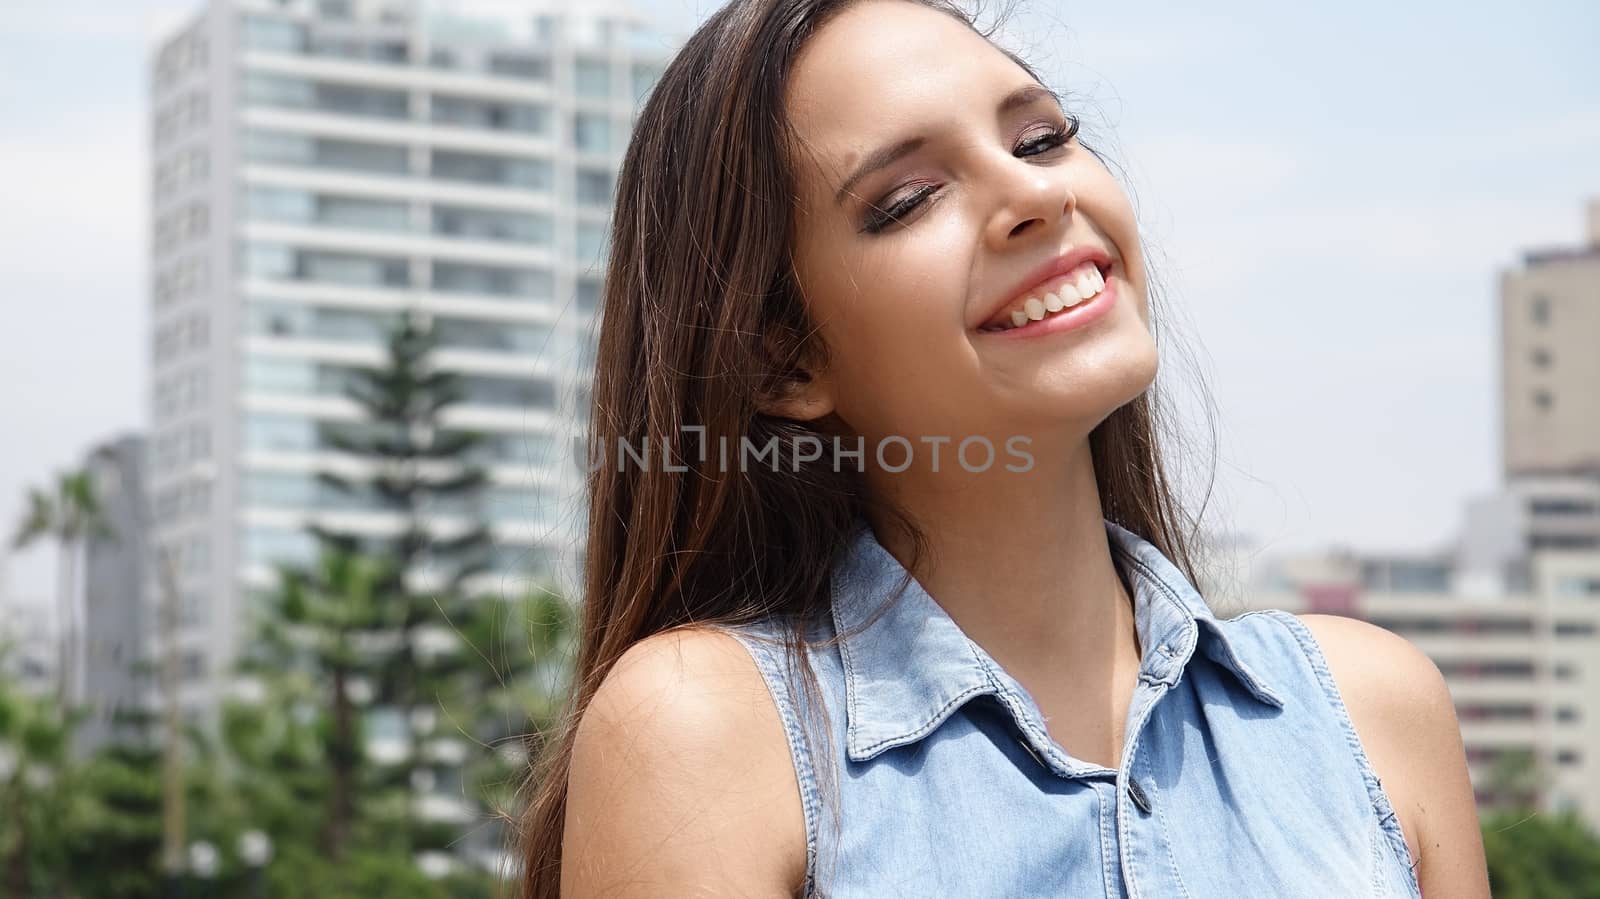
column 341, row 651
column 36, row 792
column 113, row 834
column 1541, row 856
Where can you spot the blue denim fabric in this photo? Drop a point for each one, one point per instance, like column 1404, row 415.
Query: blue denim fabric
column 1241, row 775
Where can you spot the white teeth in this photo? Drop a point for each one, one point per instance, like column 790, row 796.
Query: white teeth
column 1087, row 283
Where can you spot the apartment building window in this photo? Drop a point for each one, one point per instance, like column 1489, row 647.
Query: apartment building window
column 267, row 318
column 591, row 132
column 493, row 280
column 282, row 204
column 192, row 607
column 1543, row 400
column 1578, row 585
column 520, row 393
column 340, row 155
column 354, row 270
column 1574, row 628
column 1562, row 506
column 359, row 49
column 167, row 506
column 516, row 447
column 1540, row 357
column 273, row 35
column 361, row 213
column 644, row 80
column 199, row 443
column 285, row 490
column 279, row 262
column 278, row 204
column 1538, row 542
column 593, row 187
column 588, row 294
column 362, row 101
column 1566, row 713
column 279, row 433
column 477, row 334
column 494, row 115
column 271, row 546
column 592, row 77
column 483, row 168
column 493, row 224
column 263, row 89
column 519, row 65
column 591, row 241
column 521, row 559
column 197, row 498
column 523, row 504
column 1539, row 309
column 1487, row 668
column 197, row 556
column 1496, row 711
column 1568, row 757
column 1461, row 625
column 270, row 374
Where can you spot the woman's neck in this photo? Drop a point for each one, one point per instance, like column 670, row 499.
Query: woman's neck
column 1023, row 564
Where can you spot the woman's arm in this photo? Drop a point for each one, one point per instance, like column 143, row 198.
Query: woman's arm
column 1403, row 713
column 681, row 782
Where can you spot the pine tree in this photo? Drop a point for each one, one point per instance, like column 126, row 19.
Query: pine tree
column 417, row 468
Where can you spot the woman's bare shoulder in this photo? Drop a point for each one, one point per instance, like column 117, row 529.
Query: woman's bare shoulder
column 681, row 778
column 1403, row 713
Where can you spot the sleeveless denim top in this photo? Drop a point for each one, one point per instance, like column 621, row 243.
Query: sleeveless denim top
column 1240, row 776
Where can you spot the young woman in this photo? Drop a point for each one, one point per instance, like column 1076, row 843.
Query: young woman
column 887, row 592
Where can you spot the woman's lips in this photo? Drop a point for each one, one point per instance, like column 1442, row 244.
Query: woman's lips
column 1081, row 315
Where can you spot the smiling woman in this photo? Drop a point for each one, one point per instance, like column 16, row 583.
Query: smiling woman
column 859, row 224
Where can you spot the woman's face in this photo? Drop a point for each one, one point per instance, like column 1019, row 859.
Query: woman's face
column 980, row 205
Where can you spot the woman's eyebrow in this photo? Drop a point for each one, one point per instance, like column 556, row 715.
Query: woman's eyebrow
column 883, row 156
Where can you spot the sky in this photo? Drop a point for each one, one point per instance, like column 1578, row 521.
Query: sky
column 1329, row 193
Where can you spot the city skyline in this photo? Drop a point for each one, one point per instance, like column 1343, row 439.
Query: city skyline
column 1320, row 444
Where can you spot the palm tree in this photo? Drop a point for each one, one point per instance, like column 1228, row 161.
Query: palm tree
column 70, row 515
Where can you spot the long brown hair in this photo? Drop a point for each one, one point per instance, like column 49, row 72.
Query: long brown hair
column 701, row 325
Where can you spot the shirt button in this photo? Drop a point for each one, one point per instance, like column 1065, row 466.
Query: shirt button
column 1137, row 793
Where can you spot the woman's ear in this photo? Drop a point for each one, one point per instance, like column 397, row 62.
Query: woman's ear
column 804, row 392
column 804, row 398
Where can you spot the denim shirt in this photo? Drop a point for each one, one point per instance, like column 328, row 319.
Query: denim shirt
column 1241, row 775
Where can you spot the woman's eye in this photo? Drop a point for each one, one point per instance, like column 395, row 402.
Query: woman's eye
column 1057, row 136
column 879, row 218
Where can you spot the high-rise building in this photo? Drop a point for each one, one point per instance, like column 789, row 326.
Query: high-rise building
column 321, row 166
column 1550, row 327
column 116, row 676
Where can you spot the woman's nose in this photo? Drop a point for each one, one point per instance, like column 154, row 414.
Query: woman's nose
column 1027, row 197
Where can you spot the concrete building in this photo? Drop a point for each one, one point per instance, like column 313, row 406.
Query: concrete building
column 320, row 167
column 120, row 635
column 1523, row 668
column 1550, row 327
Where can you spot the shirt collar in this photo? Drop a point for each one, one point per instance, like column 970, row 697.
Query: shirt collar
column 913, row 667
